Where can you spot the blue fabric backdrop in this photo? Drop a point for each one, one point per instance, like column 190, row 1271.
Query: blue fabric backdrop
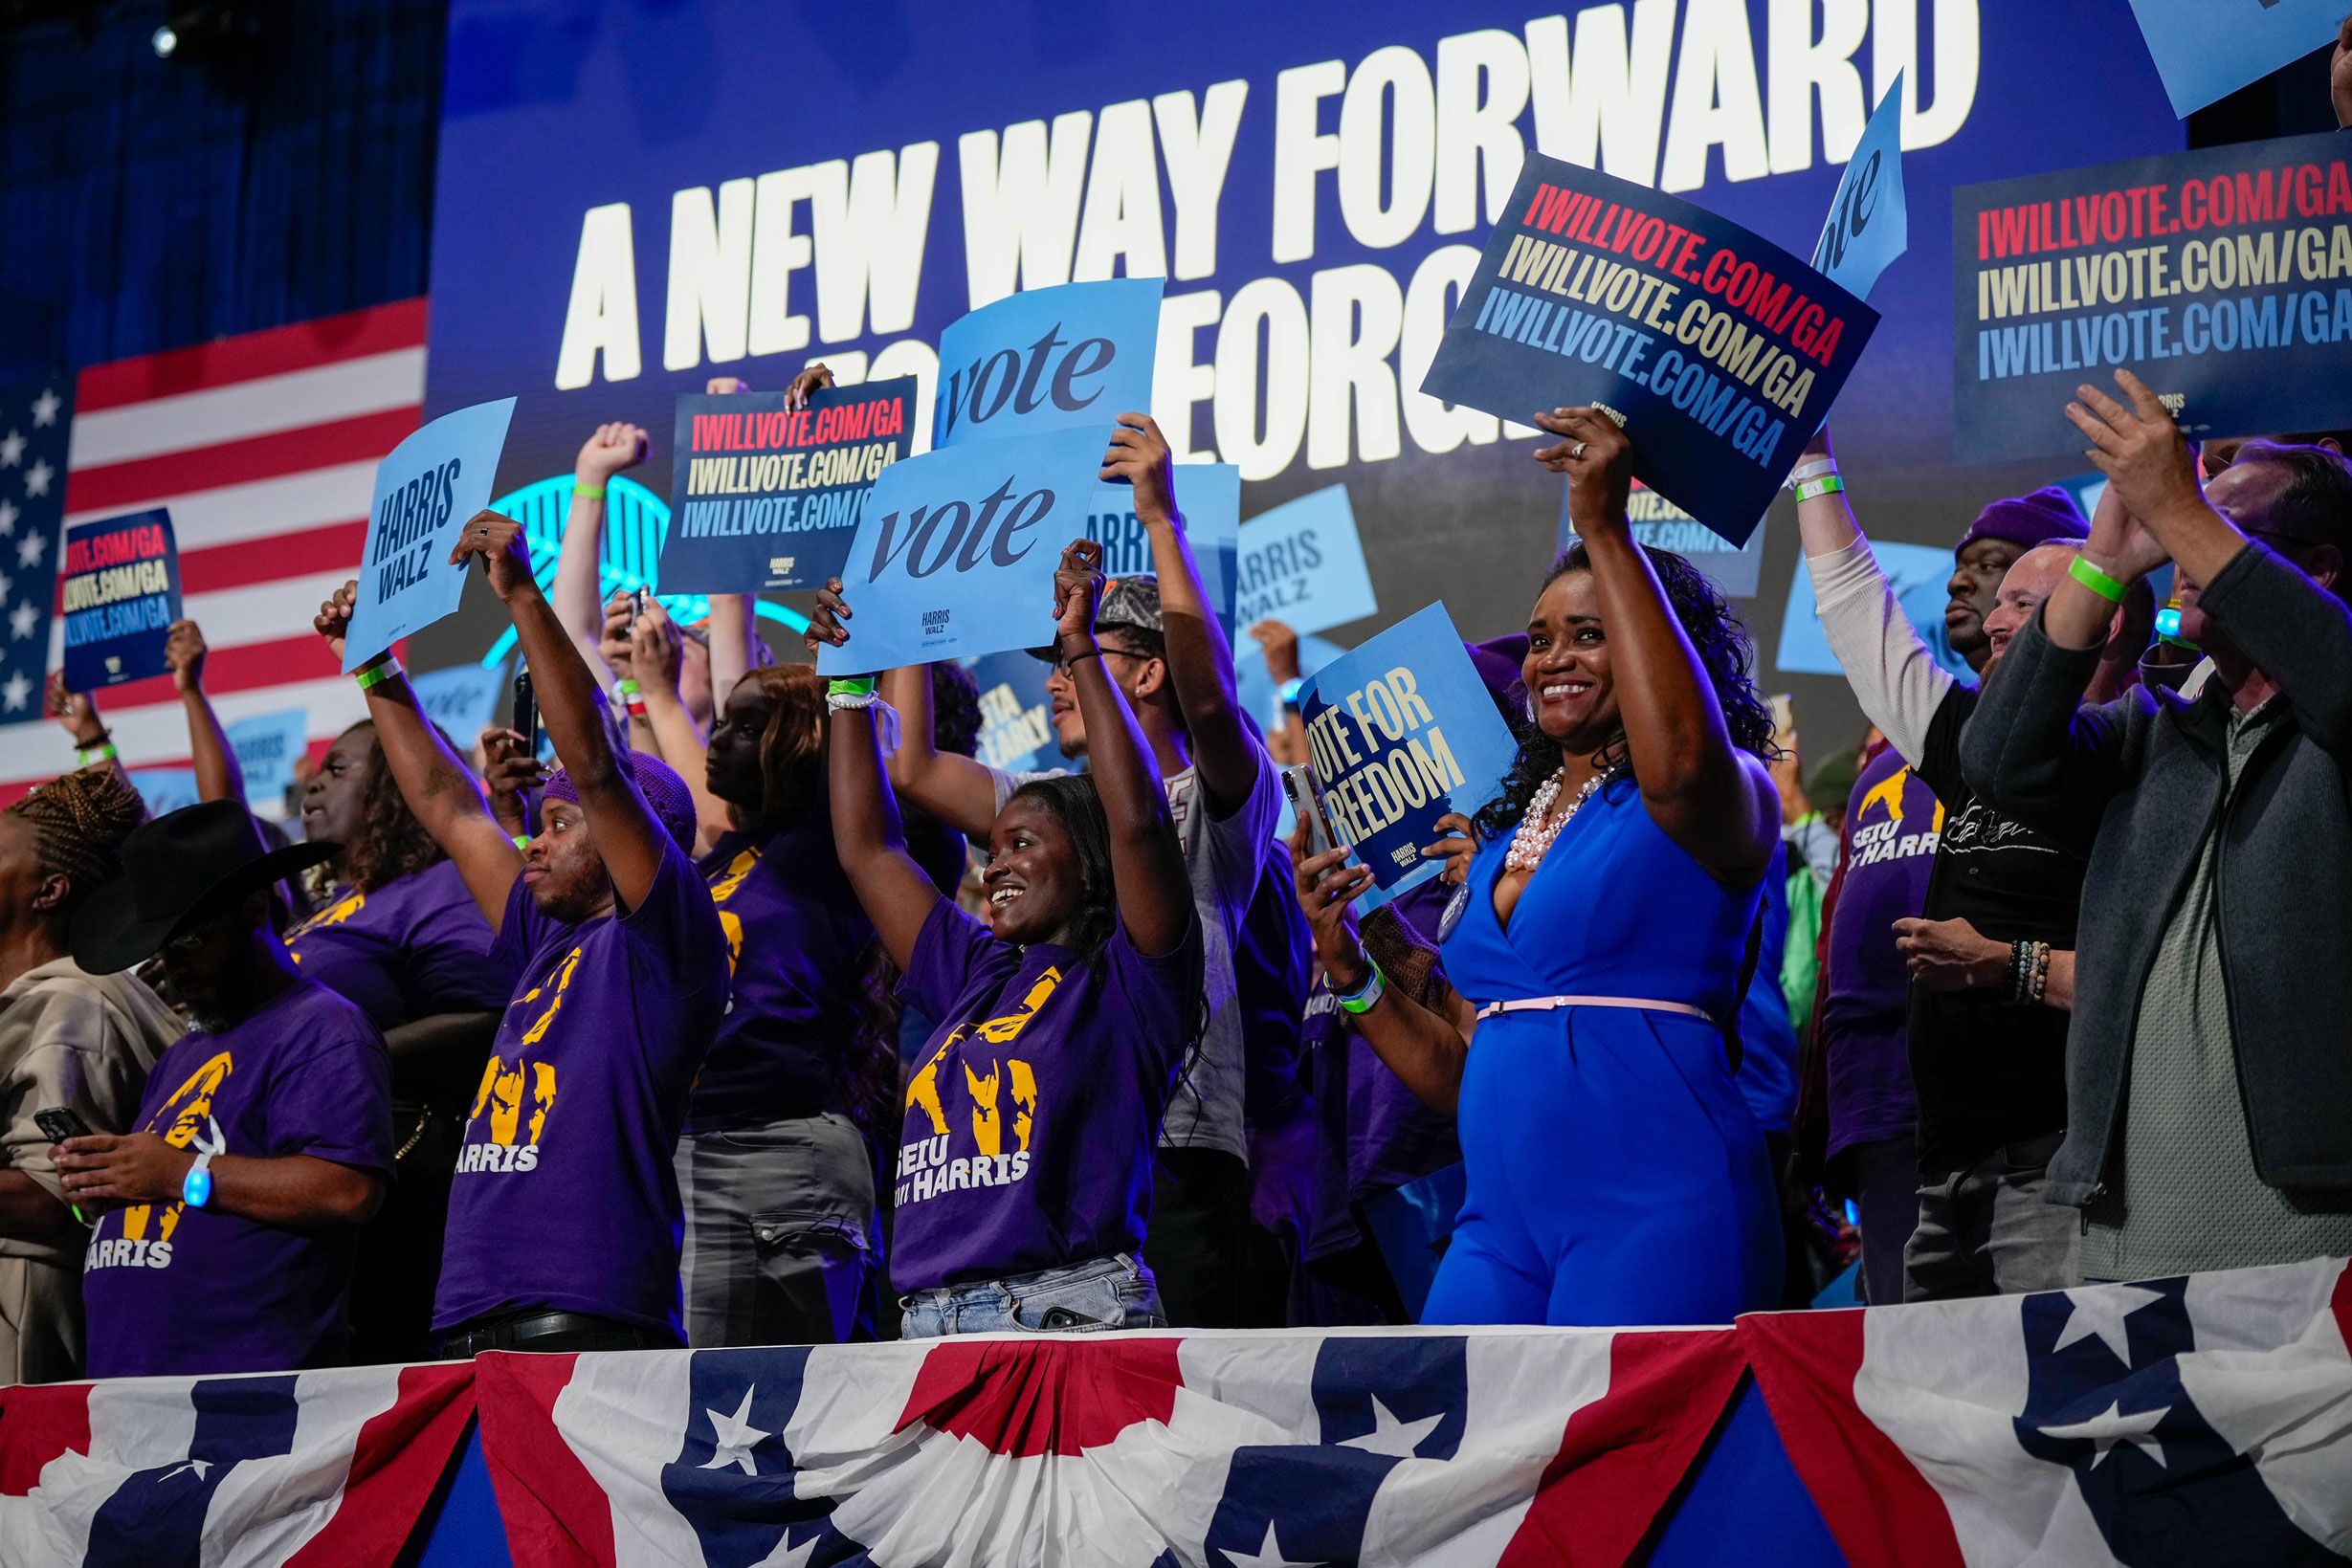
column 148, row 204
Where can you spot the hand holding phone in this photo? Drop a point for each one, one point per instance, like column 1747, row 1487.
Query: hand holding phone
column 57, row 1123
column 1306, row 801
column 527, row 710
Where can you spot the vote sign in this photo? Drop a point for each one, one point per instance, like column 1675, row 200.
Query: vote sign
column 1048, row 359
column 1722, row 351
column 1870, row 221
column 1209, row 496
column 119, row 596
column 424, row 491
column 957, row 551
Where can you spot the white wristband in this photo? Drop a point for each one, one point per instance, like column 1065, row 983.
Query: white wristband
column 1814, row 470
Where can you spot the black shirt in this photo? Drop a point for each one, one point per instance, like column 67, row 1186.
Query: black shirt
column 1988, row 1073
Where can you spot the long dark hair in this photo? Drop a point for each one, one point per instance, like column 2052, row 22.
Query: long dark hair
column 391, row 843
column 1073, row 802
column 793, row 746
column 1725, row 649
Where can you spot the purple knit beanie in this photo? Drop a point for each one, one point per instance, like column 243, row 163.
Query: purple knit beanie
column 671, row 802
column 2026, row 521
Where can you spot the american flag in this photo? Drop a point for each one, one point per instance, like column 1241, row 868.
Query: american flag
column 33, row 426
column 264, row 449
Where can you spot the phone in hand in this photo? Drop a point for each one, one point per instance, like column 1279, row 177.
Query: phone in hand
column 526, row 711
column 60, row 1122
column 1306, row 803
column 639, row 599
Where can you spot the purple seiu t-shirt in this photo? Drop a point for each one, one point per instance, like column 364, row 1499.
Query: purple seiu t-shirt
column 414, row 947
column 1893, row 822
column 186, row 1292
column 1032, row 1115
column 796, row 941
column 564, row 1196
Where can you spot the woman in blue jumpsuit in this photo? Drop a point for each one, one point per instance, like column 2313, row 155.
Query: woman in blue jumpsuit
column 1615, row 1174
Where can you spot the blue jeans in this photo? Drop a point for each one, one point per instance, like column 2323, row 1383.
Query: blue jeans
column 1082, row 1298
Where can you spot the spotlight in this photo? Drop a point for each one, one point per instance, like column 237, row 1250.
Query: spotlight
column 231, row 34
column 166, row 42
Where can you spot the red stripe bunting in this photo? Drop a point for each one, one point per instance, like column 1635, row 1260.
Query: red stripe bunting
column 251, row 356
column 328, row 546
column 124, row 487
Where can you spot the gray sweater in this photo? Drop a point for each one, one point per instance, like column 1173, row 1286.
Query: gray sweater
column 2140, row 781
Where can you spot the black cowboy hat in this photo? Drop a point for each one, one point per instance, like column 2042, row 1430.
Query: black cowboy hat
column 177, row 870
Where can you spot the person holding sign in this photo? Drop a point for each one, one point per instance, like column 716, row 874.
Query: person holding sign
column 565, row 1216
column 1025, row 1170
column 1615, row 1174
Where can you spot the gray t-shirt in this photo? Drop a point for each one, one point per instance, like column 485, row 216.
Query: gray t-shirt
column 1223, row 857
column 2186, row 1196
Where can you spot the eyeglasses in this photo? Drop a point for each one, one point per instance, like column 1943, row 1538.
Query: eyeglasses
column 1061, row 666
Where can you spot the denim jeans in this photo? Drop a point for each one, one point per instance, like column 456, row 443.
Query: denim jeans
column 781, row 1233
column 1984, row 1231
column 1082, row 1298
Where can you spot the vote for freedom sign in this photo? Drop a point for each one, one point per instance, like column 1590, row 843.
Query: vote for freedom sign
column 1722, row 351
column 1403, row 731
column 765, row 497
column 119, row 596
column 2222, row 277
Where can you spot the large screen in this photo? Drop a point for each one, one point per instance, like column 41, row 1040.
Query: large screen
column 636, row 196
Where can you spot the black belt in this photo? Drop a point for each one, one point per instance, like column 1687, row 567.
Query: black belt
column 519, row 1332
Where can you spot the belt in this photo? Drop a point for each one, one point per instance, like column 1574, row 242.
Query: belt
column 1549, row 1003
column 514, row 1333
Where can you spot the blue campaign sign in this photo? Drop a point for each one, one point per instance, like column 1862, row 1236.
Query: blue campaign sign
column 2217, row 276
column 2207, row 49
column 1403, row 731
column 1253, row 684
column 763, row 497
column 1662, row 525
column 1919, row 574
column 1302, row 563
column 957, row 550
column 1078, row 355
column 461, row 699
column 1868, row 224
column 267, row 746
column 1017, row 731
column 163, row 789
column 1209, row 496
column 1720, row 350
column 119, row 596
column 424, row 491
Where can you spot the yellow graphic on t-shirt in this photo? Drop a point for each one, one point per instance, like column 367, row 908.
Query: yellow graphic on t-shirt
column 517, row 1095
column 1869, row 842
column 1008, row 1088
column 335, row 914
column 560, row 977
column 1888, row 795
column 180, row 1118
column 723, row 889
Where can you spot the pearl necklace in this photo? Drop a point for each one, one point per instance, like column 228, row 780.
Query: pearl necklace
column 1534, row 838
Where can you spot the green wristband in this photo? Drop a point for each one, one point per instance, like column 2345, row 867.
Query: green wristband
column 1366, row 996
column 588, row 492
column 371, row 675
column 2096, row 581
column 90, row 756
column 850, row 686
column 1829, row 484
column 626, row 686
column 522, row 841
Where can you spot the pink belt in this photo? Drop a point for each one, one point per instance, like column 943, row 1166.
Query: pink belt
column 1548, row 1004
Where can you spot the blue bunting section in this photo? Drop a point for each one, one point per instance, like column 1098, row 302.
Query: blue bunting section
column 2211, row 1410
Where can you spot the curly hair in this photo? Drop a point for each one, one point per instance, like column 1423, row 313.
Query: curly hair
column 1725, row 651
column 391, row 843
column 78, row 824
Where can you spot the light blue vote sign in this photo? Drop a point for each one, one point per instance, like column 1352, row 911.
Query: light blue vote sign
column 461, row 699
column 1302, row 564
column 425, row 491
column 267, row 746
column 1208, row 497
column 1072, row 357
column 1868, row 224
column 2207, row 49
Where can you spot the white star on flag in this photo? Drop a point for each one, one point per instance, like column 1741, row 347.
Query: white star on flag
column 28, row 550
column 199, row 1465
column 8, row 517
column 789, row 1556
column 2100, row 1310
column 2114, row 1427
column 11, row 449
column 736, row 1436
column 1268, row 1556
column 16, row 692
column 1398, row 1439
column 37, row 477
column 45, row 407
column 23, row 619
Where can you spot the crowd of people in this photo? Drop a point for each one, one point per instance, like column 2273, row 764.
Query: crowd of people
column 771, row 1014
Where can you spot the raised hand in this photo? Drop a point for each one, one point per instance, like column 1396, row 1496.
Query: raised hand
column 1326, row 885
column 2118, row 540
column 76, row 711
column 614, row 448
column 1598, row 459
column 825, row 627
column 1280, row 646
column 654, row 644
column 510, row 768
column 333, row 622
column 184, row 653
column 1138, row 457
column 612, row 645
column 2146, row 458
column 1077, row 588
column 815, row 379
column 505, row 554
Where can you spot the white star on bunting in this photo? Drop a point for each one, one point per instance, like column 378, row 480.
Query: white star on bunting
column 28, row 550
column 45, row 407
column 1397, row 1439
column 199, row 1465
column 1268, row 1556
column 2114, row 1427
column 23, row 619
column 11, row 449
column 37, row 477
column 15, row 694
column 736, row 1436
column 2100, row 1310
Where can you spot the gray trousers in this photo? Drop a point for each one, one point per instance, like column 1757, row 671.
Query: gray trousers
column 41, row 1321
column 781, row 1233
column 1984, row 1231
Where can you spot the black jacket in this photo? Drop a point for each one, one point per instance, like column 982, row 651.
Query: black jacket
column 2140, row 781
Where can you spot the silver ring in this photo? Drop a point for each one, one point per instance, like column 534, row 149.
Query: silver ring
column 1576, row 452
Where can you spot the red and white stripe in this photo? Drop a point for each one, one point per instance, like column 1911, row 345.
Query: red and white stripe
column 264, row 448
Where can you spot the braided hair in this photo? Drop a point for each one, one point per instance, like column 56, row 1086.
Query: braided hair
column 78, row 824
column 391, row 843
column 1726, row 654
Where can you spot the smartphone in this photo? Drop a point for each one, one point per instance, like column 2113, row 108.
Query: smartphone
column 1306, row 803
column 526, row 711
column 639, row 599
column 60, row 1122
